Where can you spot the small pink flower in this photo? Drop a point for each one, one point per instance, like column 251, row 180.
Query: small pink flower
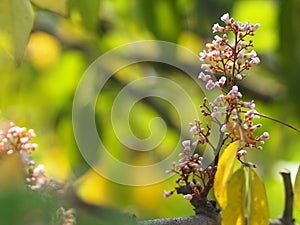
column 265, row 135
column 255, row 26
column 39, row 170
column 188, row 197
column 210, row 85
column 24, row 140
column 204, row 77
column 26, row 147
column 9, row 152
column 250, row 105
column 203, row 55
column 246, row 26
column 216, row 114
column 205, row 67
column 235, row 89
column 222, row 81
column 186, row 143
column 253, row 54
column 255, row 61
column 241, row 153
column 239, row 77
column 225, row 18
column 217, row 28
column 194, row 129
column 33, row 147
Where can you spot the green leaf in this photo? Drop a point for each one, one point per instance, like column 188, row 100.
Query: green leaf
column 152, row 13
column 233, row 213
column 86, row 11
column 16, row 21
column 297, row 189
column 59, row 6
column 224, row 172
column 258, row 205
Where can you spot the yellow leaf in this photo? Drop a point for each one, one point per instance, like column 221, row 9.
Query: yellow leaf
column 297, row 189
column 224, row 172
column 233, row 213
column 258, row 205
column 16, row 21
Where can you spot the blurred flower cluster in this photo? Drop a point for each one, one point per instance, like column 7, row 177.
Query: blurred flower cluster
column 65, row 217
column 17, row 140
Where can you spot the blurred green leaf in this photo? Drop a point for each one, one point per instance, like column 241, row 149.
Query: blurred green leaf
column 297, row 189
column 289, row 48
column 258, row 203
column 224, row 172
column 16, row 21
column 162, row 18
column 266, row 15
column 24, row 207
column 59, row 6
column 233, row 212
column 87, row 13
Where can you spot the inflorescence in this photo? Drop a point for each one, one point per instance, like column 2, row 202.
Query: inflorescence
column 224, row 67
column 18, row 140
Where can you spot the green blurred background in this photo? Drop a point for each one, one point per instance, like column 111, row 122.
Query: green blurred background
column 69, row 35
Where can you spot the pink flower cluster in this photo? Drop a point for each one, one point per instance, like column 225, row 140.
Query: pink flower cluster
column 17, row 140
column 190, row 169
column 65, row 217
column 229, row 60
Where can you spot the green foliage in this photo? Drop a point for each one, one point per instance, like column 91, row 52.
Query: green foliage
column 22, row 207
column 297, row 189
column 86, row 14
column 16, row 21
column 59, row 6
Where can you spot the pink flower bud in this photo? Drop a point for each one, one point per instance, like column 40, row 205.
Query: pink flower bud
column 210, row 85
column 225, row 18
column 167, row 193
column 217, row 28
column 24, row 140
column 255, row 61
column 186, row 143
column 188, row 197
column 222, row 81
column 241, row 153
column 255, row 26
column 203, row 55
column 265, row 135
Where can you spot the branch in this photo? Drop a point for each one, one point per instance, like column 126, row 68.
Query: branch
column 287, row 217
column 189, row 220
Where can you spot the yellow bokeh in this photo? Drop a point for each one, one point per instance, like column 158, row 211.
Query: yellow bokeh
column 43, row 50
column 148, row 197
column 92, row 188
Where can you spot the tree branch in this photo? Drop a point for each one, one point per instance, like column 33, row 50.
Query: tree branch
column 289, row 197
column 189, row 220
